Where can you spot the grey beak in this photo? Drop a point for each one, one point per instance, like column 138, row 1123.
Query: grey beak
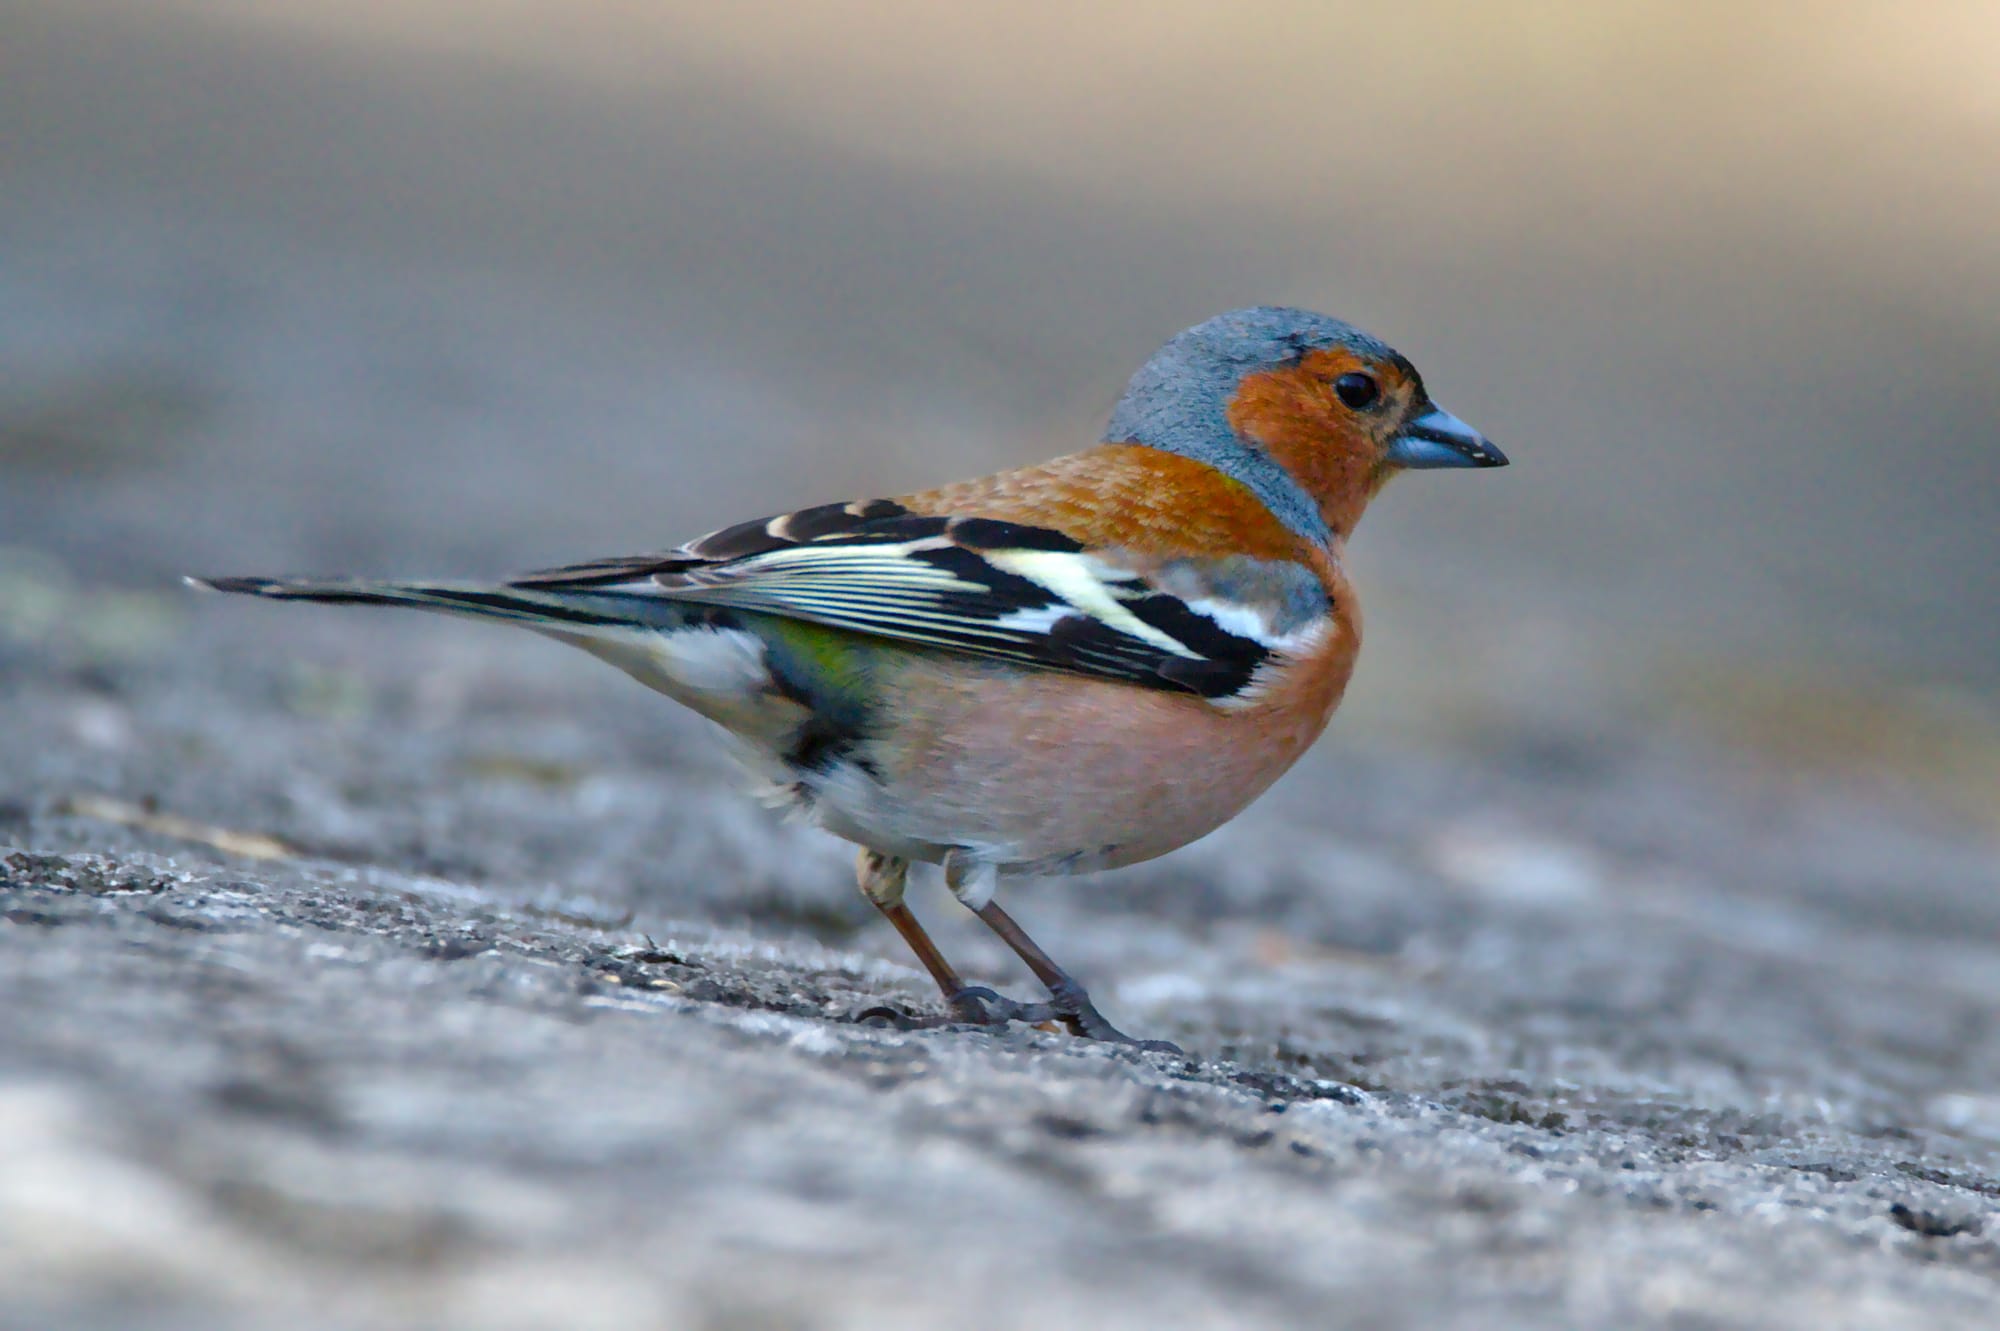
column 1439, row 439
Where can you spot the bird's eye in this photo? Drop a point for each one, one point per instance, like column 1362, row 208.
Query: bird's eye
column 1357, row 390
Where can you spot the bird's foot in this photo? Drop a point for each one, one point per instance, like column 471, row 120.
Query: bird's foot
column 882, row 1014
column 1071, row 1006
column 972, row 1005
column 1069, row 1009
column 976, row 1005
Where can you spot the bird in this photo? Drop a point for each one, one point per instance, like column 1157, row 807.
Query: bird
column 1076, row 665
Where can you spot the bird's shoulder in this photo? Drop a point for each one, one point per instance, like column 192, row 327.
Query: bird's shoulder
column 1130, row 497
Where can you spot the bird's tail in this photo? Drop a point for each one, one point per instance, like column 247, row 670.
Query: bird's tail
column 558, row 611
column 707, row 657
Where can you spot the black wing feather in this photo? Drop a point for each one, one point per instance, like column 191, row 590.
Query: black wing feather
column 942, row 590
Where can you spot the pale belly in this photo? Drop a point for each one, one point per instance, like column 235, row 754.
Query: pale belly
column 1029, row 771
column 1040, row 774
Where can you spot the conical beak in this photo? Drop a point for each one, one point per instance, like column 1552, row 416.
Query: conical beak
column 1439, row 439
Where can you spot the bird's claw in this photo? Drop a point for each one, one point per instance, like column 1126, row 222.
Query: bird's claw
column 1073, row 1008
column 976, row 1005
column 893, row 1017
column 1068, row 1006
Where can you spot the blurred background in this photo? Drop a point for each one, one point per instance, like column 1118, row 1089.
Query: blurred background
column 453, row 287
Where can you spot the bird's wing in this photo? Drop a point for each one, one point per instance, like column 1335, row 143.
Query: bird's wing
column 1004, row 590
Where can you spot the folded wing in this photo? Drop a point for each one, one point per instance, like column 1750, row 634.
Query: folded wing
column 1004, row 590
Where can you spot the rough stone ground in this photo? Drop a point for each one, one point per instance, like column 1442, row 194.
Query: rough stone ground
column 451, row 990
column 382, row 972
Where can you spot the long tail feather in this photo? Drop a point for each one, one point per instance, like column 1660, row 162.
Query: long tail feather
column 572, row 611
column 707, row 657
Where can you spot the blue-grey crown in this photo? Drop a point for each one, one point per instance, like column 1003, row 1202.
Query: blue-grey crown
column 1179, row 400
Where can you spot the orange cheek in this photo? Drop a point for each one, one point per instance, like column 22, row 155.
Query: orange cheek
column 1293, row 413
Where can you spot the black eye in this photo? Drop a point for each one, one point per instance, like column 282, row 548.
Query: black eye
column 1357, row 390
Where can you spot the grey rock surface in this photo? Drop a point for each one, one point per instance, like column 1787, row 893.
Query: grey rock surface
column 461, row 990
column 380, row 972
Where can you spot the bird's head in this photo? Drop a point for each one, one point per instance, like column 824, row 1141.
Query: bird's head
column 1312, row 414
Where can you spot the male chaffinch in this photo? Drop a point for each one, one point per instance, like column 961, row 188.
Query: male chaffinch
column 1072, row 666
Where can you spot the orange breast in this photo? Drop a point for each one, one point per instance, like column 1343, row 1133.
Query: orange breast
column 1057, row 774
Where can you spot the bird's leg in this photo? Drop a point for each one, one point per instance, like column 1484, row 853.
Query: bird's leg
column 882, row 879
column 973, row 885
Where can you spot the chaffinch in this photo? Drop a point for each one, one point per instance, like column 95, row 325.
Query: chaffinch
column 1072, row 666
